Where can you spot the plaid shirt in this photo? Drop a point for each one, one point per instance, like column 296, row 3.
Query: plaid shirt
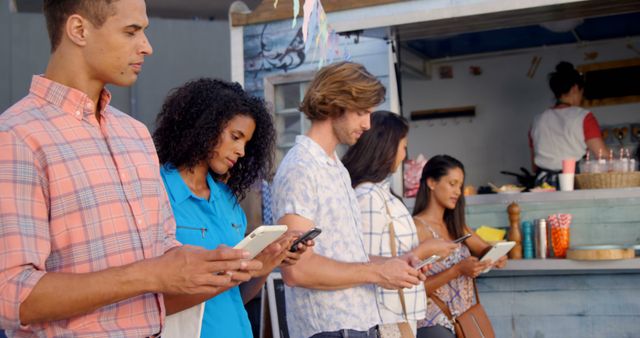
column 372, row 198
column 78, row 196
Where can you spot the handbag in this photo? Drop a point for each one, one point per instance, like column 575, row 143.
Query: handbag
column 402, row 329
column 473, row 323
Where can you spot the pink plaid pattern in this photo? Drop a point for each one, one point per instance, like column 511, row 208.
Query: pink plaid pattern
column 78, row 196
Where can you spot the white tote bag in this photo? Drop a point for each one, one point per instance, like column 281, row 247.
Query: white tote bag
column 184, row 324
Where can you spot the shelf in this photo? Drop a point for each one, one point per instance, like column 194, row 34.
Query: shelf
column 553, row 266
column 555, row 196
column 286, row 145
column 288, row 111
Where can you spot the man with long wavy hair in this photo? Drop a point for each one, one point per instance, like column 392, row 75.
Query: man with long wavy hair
column 331, row 290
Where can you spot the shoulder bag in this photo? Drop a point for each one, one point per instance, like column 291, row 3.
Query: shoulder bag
column 473, row 323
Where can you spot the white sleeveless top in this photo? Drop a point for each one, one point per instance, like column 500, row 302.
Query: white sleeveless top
column 558, row 134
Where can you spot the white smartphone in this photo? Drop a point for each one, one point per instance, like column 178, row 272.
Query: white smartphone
column 427, row 261
column 260, row 238
column 498, row 250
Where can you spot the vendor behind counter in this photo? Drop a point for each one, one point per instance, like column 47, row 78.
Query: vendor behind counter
column 565, row 130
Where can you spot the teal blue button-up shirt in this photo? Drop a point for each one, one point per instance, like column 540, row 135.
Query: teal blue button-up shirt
column 209, row 223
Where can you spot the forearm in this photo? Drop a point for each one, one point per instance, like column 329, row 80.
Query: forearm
column 476, row 245
column 250, row 289
column 176, row 303
column 63, row 295
column 423, row 251
column 322, row 273
column 434, row 282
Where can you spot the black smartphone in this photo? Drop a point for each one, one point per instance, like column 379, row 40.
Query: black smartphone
column 461, row 239
column 307, row 236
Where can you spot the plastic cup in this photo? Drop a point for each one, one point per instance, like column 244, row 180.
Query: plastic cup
column 566, row 181
column 569, row 166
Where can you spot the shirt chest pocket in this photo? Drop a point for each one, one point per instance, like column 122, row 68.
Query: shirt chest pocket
column 193, row 234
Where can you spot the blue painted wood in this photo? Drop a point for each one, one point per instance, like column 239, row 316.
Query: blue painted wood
column 265, row 41
column 601, row 221
column 584, row 306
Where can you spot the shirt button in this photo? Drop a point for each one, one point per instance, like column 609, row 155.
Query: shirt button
column 140, row 222
column 78, row 113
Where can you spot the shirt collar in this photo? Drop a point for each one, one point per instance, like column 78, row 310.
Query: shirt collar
column 316, row 150
column 385, row 184
column 69, row 100
column 178, row 189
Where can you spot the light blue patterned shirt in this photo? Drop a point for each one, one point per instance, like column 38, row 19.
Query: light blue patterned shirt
column 311, row 184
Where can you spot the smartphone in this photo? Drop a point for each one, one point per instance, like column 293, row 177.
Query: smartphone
column 498, row 250
column 427, row 261
column 260, row 238
column 307, row 236
column 461, row 239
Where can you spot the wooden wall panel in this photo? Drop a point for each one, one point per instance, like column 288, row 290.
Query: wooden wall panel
column 584, row 306
column 594, row 221
column 262, row 42
column 566, row 306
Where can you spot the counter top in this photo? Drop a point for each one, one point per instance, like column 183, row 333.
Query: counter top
column 554, row 266
column 553, row 196
column 576, row 195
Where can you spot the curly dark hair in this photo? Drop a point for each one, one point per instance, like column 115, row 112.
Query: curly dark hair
column 192, row 119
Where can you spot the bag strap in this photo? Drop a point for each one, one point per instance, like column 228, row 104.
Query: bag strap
column 445, row 309
column 394, row 252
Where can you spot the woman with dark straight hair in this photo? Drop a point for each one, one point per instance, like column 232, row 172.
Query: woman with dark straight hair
column 565, row 130
column 439, row 213
column 370, row 162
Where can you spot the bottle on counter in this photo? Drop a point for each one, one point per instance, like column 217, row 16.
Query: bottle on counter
column 528, row 251
column 540, row 226
column 514, row 230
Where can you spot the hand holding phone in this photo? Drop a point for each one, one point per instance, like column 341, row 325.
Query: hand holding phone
column 260, row 238
column 427, row 261
column 307, row 236
column 498, row 250
column 461, row 239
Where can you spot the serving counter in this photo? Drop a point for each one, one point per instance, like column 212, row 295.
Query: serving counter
column 561, row 297
column 600, row 216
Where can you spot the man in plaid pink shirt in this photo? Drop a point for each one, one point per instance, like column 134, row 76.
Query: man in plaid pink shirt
column 87, row 237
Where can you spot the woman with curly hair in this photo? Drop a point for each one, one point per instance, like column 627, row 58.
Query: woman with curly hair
column 214, row 141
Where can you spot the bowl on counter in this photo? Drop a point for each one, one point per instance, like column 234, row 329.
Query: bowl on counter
column 507, row 189
column 600, row 252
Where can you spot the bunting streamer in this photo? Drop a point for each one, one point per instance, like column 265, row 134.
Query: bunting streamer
column 296, row 11
column 317, row 33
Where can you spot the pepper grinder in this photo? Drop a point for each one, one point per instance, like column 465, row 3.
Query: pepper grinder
column 514, row 230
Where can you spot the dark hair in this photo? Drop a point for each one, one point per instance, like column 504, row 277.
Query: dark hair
column 372, row 158
column 192, row 119
column 437, row 167
column 564, row 78
column 56, row 13
column 339, row 87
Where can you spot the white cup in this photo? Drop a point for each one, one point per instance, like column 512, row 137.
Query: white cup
column 566, row 181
